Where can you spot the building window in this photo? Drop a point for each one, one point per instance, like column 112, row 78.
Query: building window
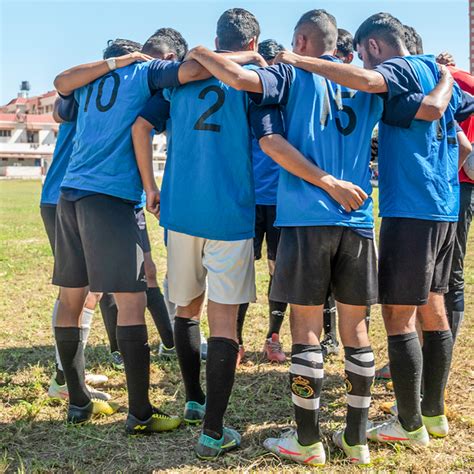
column 5, row 133
column 32, row 137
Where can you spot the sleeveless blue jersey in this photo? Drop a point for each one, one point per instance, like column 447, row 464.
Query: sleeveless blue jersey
column 103, row 160
column 208, row 188
column 418, row 173
column 57, row 170
column 331, row 126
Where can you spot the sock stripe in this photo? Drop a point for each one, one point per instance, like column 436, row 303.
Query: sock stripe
column 309, row 357
column 357, row 369
column 312, row 372
column 364, row 357
column 356, row 401
column 305, row 403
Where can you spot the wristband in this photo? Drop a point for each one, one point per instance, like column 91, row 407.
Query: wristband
column 111, row 63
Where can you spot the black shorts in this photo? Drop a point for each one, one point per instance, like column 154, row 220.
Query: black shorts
column 264, row 219
column 98, row 244
column 310, row 260
column 141, row 223
column 48, row 214
column 415, row 258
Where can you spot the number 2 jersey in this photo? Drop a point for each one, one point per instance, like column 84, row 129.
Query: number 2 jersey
column 103, row 160
column 208, row 186
column 331, row 126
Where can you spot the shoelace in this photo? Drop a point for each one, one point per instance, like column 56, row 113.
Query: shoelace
column 274, row 346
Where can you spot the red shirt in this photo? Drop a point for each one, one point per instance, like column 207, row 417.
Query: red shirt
column 466, row 83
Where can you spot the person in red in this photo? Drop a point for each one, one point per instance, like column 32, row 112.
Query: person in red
column 454, row 299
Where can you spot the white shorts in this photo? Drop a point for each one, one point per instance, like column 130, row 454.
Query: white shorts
column 228, row 265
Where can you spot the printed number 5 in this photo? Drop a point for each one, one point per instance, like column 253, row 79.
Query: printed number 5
column 201, row 122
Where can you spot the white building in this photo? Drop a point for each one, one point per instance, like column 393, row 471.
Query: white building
column 28, row 136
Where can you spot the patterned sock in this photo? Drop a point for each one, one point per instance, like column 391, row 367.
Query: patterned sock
column 360, row 372
column 306, row 381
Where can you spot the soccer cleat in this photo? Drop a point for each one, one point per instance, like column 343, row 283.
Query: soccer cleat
column 329, row 345
column 272, row 349
column 208, row 448
column 78, row 415
column 96, row 379
column 61, row 391
column 117, row 360
column 393, row 432
column 166, row 353
column 358, row 454
column 240, row 355
column 157, row 423
column 194, row 412
column 436, row 426
column 383, row 373
column 288, row 447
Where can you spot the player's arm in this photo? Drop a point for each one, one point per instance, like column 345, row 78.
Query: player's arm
column 267, row 125
column 436, row 102
column 153, row 116
column 345, row 74
column 465, row 147
column 65, row 109
column 226, row 70
column 74, row 78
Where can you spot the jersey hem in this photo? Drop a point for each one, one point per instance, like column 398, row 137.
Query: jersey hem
column 422, row 217
column 205, row 235
column 115, row 194
column 322, row 224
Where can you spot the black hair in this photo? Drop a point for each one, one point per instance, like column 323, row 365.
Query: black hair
column 383, row 26
column 413, row 40
column 344, row 42
column 325, row 23
column 269, row 48
column 235, row 29
column 119, row 47
column 166, row 40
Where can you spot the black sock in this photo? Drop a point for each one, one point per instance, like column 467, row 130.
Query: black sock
column 59, row 377
column 306, row 381
column 277, row 313
column 220, row 372
column 133, row 345
column 454, row 301
column 71, row 353
column 187, row 339
column 157, row 307
column 437, row 355
column 360, row 372
column 406, row 363
column 108, row 308
column 240, row 321
column 329, row 317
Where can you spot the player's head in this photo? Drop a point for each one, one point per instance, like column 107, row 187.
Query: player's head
column 379, row 38
column 315, row 34
column 268, row 49
column 237, row 30
column 413, row 40
column 166, row 43
column 120, row 47
column 345, row 49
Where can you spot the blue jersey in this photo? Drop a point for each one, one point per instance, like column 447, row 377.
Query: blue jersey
column 67, row 111
column 207, row 188
column 331, row 126
column 103, row 159
column 418, row 164
column 266, row 173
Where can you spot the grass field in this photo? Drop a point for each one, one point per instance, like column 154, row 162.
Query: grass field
column 35, row 438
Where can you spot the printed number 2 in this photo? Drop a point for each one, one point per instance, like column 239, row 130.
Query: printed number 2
column 201, row 122
column 98, row 101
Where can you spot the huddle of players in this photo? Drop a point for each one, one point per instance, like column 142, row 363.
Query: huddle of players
column 324, row 210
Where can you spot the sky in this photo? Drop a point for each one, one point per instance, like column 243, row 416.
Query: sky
column 39, row 39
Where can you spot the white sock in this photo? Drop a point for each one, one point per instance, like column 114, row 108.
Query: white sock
column 86, row 323
column 53, row 325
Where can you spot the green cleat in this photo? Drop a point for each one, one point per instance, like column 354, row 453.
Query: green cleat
column 288, row 447
column 157, row 423
column 78, row 415
column 116, row 360
column 436, row 426
column 209, row 449
column 194, row 412
column 358, row 454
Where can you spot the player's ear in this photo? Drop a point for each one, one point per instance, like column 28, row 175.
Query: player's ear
column 349, row 58
column 170, row 57
column 253, row 44
column 299, row 43
column 373, row 46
